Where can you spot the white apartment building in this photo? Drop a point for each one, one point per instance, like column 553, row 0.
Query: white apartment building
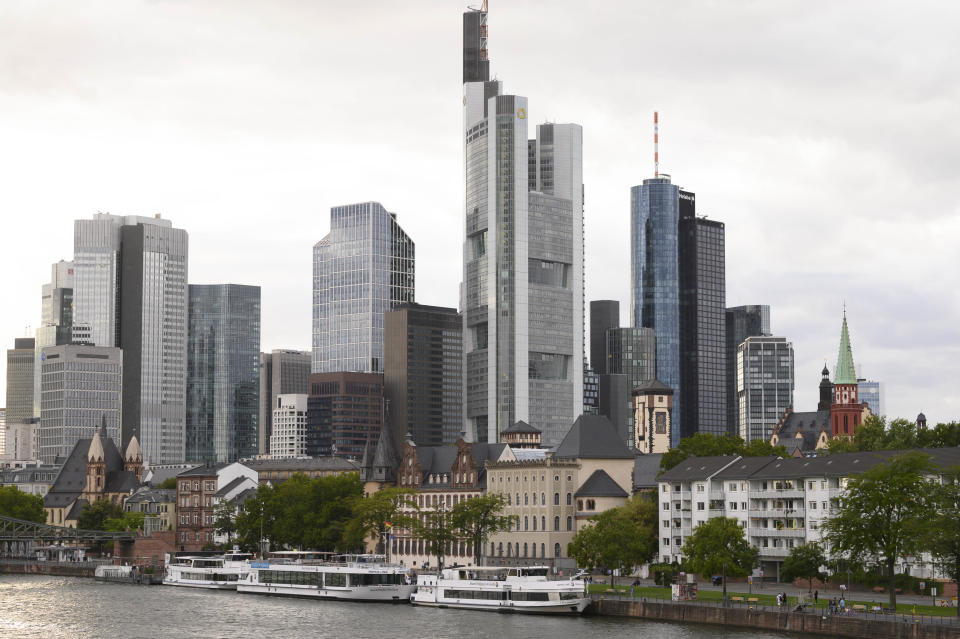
column 289, row 436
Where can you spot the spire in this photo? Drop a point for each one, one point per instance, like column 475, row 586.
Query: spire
column 133, row 453
column 95, row 453
column 845, row 372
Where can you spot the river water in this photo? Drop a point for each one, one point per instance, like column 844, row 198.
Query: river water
column 74, row 608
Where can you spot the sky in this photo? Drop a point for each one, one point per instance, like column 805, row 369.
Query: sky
column 825, row 136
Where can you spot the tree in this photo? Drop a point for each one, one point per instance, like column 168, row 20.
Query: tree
column 376, row 514
column 96, row 515
column 170, row 483
column 762, row 448
column 880, row 514
column 618, row 538
column 804, row 562
column 20, row 505
column 709, row 445
column 437, row 532
column 944, row 527
column 478, row 518
column 717, row 546
column 126, row 521
column 900, row 434
column 223, row 518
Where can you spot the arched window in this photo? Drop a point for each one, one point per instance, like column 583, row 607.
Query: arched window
column 579, row 504
column 569, row 524
column 569, row 499
column 524, row 549
column 556, row 524
column 556, row 499
column 591, row 505
column 500, row 550
column 543, row 498
column 556, row 550
column 526, row 499
column 534, row 499
column 493, row 548
column 518, row 499
column 543, row 522
column 543, row 550
column 534, row 523
column 526, row 523
column 509, row 549
column 845, row 424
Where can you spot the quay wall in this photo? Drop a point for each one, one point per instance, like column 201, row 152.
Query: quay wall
column 78, row 569
column 781, row 621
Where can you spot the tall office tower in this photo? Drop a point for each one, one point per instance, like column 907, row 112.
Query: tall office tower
column 604, row 315
column 703, row 373
column 345, row 413
column 616, row 404
column 289, row 435
column 523, row 259
column 282, row 372
column 591, row 392
column 751, row 320
column 871, row 392
column 130, row 291
column 423, row 373
column 764, row 385
column 3, row 431
column 361, row 269
column 632, row 353
column 223, row 373
column 81, row 389
column 20, row 363
column 56, row 319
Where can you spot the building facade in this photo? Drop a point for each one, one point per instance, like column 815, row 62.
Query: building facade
column 871, row 392
column 765, row 383
column 631, row 352
column 197, row 499
column 653, row 417
column 751, row 320
column 20, row 365
column 289, row 437
column 223, row 373
column 81, row 391
column 56, row 319
column 282, row 372
column 604, row 315
column 363, row 268
column 423, row 373
column 346, row 411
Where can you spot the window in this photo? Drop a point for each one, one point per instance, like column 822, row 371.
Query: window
column 579, row 504
column 666, row 541
column 591, row 505
column 534, row 499
column 556, row 524
column 569, row 499
column 813, row 505
column 699, row 488
column 526, row 499
column 543, row 499
column 699, row 505
column 534, row 523
column 556, row 499
column 733, row 505
column 526, row 523
column 569, row 524
column 666, row 505
column 543, row 522
column 556, row 550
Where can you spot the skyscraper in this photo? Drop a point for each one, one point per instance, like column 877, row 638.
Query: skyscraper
column 282, row 372
column 632, row 354
column 345, row 413
column 56, row 319
column 361, row 269
column 423, row 373
column 765, row 382
column 871, row 392
column 20, row 363
column 742, row 322
column 604, row 315
column 223, row 373
column 80, row 390
column 523, row 259
column 130, row 291
column 702, row 300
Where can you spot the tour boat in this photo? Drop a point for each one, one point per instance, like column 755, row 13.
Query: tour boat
column 221, row 572
column 520, row 589
column 319, row 575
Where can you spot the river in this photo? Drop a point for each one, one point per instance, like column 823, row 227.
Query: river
column 75, row 608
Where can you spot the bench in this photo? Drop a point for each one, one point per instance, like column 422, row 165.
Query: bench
column 752, row 600
column 859, row 608
column 736, row 598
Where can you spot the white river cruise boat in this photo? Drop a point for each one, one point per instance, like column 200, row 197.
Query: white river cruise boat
column 220, row 572
column 318, row 575
column 522, row 589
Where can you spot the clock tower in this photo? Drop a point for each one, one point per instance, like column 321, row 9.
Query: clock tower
column 846, row 410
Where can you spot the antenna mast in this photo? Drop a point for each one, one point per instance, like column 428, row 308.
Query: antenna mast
column 483, row 31
column 656, row 145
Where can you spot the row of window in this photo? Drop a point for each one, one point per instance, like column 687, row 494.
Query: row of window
column 328, row 580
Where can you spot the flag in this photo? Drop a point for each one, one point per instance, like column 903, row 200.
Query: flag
column 388, row 524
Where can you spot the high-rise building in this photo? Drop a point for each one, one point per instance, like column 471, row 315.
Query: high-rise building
column 591, row 392
column 130, row 291
column 523, row 259
column 361, row 269
column 604, row 315
column 282, row 372
column 56, row 319
column 223, row 373
column 703, row 373
column 751, row 320
column 289, row 436
column 3, row 431
column 871, row 392
column 423, row 373
column 20, row 363
column 81, row 390
column 632, row 353
column 345, row 412
column 616, row 404
column 765, row 382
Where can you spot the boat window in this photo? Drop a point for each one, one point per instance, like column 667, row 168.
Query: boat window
column 335, row 579
column 494, row 595
column 530, row 596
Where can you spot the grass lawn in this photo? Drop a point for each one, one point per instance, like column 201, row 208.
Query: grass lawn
column 656, row 592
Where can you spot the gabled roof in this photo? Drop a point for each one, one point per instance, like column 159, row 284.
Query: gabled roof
column 521, row 427
column 653, row 385
column 745, row 467
column 226, row 490
column 302, row 465
column 592, row 437
column 72, row 478
column 600, row 484
column 206, row 470
column 76, row 509
column 698, row 467
column 645, row 470
column 153, row 495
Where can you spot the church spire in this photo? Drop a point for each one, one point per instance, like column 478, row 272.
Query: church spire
column 845, row 372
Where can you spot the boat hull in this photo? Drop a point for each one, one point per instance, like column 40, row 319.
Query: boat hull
column 568, row 607
column 385, row 594
column 230, row 585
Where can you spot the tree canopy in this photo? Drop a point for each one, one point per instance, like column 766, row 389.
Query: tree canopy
column 883, row 513
column 436, row 530
column 21, row 505
column 375, row 514
column 478, row 518
column 804, row 562
column 718, row 546
column 943, row 540
column 618, row 538
column 708, row 445
column 169, row 483
column 96, row 515
column 900, row 434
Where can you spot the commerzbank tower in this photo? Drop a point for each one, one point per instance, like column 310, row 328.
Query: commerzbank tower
column 522, row 292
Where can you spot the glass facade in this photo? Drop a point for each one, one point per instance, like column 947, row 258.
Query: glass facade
column 282, row 372
column 20, row 366
column 654, row 276
column 765, row 381
column 56, row 319
column 80, row 388
column 345, row 413
column 223, row 373
column 361, row 269
column 742, row 322
column 871, row 392
column 631, row 352
column 604, row 315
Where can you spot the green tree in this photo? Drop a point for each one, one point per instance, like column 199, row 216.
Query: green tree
column 436, row 530
column 804, row 562
column 709, row 445
column 881, row 513
column 375, row 515
column 96, row 515
column 223, row 518
column 170, row 483
column 900, row 434
column 478, row 518
column 21, row 505
column 717, row 546
column 943, row 529
column 126, row 521
column 761, row 448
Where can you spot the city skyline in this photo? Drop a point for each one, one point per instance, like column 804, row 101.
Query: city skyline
column 79, row 113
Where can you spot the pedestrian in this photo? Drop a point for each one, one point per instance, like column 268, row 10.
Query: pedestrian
column 816, row 594
column 843, row 605
column 831, row 607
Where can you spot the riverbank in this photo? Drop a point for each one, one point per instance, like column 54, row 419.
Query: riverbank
column 779, row 620
column 53, row 568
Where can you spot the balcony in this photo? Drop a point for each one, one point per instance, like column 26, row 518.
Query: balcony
column 777, row 512
column 717, row 494
column 766, row 553
column 778, row 532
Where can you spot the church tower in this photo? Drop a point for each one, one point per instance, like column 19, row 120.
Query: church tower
column 96, row 470
column 133, row 459
column 846, row 410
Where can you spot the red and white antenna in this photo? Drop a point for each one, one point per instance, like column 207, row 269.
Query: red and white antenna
column 656, row 146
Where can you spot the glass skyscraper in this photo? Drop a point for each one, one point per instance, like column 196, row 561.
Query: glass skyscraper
column 56, row 319
column 223, row 373
column 746, row 321
column 765, row 381
column 361, row 269
column 871, row 392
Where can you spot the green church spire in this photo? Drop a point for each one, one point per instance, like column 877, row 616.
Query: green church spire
column 845, row 372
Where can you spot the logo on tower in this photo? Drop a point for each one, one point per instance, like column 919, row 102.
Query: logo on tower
column 522, row 113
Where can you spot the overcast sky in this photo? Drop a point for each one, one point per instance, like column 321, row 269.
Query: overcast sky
column 825, row 135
